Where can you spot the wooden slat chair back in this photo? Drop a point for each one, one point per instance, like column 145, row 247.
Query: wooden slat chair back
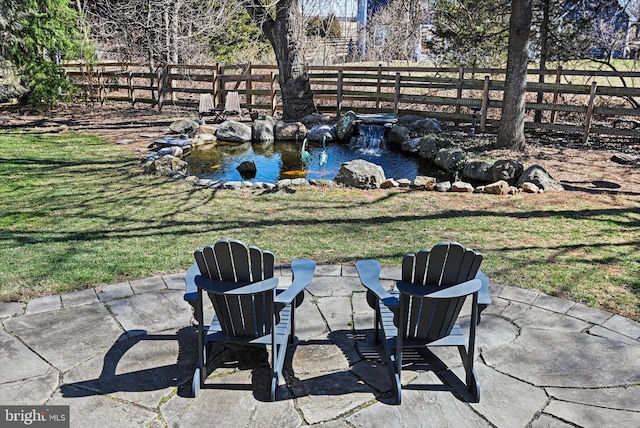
column 241, row 315
column 423, row 310
column 207, row 107
column 206, row 104
column 248, row 306
column 232, row 103
column 446, row 264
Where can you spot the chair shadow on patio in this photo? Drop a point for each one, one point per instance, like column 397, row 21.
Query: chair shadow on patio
column 141, row 362
column 348, row 362
column 138, row 362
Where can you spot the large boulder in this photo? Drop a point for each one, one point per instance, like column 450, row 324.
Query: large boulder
column 360, row 174
column 424, row 182
column 477, row 170
column 290, row 131
column 314, row 119
column 397, row 134
column 409, row 119
column 500, row 187
column 429, row 147
column 447, row 159
column 411, row 145
column 318, row 132
column 263, row 129
column 184, row 126
column 346, row 126
column 508, row 170
column 165, row 165
column 234, row 132
column 540, row 177
column 419, row 125
column 247, row 169
column 427, row 126
column 11, row 91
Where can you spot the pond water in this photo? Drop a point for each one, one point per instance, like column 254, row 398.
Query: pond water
column 281, row 159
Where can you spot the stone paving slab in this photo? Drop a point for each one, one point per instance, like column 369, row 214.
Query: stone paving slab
column 624, row 326
column 35, row 390
column 79, row 298
column 148, row 284
column 565, row 359
column 151, row 312
column 9, row 309
column 598, row 330
column 13, row 351
column 123, row 355
column 174, row 281
column 66, row 338
column 588, row 314
column 592, row 416
column 44, row 304
column 114, row 291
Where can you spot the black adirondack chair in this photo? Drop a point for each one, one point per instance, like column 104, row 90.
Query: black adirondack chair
column 249, row 309
column 423, row 309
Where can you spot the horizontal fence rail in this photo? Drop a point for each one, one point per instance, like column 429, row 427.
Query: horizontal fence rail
column 575, row 101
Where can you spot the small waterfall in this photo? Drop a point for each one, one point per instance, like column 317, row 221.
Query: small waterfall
column 369, row 139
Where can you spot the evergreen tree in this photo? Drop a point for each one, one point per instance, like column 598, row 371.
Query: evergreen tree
column 38, row 35
column 471, row 33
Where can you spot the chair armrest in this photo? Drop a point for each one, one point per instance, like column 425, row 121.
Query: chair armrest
column 230, row 287
column 438, row 292
column 191, row 290
column 483, row 295
column 303, row 271
column 369, row 273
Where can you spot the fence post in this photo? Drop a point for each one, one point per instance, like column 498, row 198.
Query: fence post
column 170, row 83
column 537, row 116
column 459, row 94
column 217, row 98
column 556, row 94
column 214, row 88
column 272, row 88
column 485, row 103
column 339, row 93
column 249, row 85
column 396, row 100
column 100, row 88
column 160, row 78
column 132, row 91
column 587, row 122
column 221, row 84
column 378, row 86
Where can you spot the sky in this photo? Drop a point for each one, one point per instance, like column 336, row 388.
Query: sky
column 325, row 7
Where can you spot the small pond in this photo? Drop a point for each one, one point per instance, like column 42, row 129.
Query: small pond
column 281, row 160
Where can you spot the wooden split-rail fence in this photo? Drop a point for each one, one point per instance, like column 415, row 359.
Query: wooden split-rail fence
column 575, row 101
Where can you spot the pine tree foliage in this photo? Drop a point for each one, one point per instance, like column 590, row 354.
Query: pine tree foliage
column 470, row 33
column 39, row 35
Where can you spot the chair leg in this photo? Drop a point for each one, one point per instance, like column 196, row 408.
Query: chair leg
column 376, row 325
column 398, row 374
column 196, row 382
column 277, row 362
column 471, row 376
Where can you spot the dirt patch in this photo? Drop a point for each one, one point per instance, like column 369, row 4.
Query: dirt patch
column 581, row 168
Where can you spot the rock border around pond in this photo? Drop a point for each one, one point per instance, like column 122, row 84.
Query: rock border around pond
column 415, row 135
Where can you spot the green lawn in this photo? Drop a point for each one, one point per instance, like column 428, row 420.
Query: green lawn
column 77, row 211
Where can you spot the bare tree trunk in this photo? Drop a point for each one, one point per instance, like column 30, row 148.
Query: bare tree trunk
column 544, row 52
column 175, row 26
column 283, row 33
column 511, row 133
column 167, row 34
